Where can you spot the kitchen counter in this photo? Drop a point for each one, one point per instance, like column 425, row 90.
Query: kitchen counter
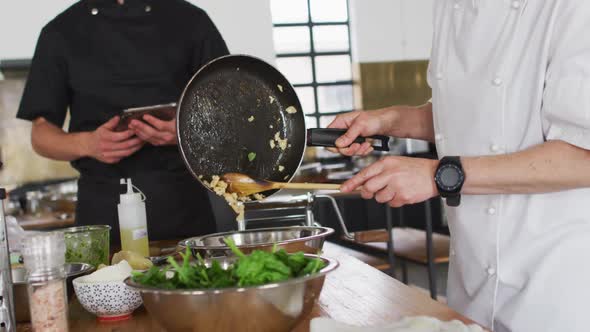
column 45, row 221
column 355, row 293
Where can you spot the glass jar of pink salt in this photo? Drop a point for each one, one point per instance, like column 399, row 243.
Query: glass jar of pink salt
column 44, row 259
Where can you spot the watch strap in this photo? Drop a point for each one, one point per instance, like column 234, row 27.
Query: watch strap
column 452, row 199
column 455, row 160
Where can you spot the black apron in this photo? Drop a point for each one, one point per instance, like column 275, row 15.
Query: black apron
column 177, row 206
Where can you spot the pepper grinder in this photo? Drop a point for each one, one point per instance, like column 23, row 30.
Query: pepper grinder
column 7, row 318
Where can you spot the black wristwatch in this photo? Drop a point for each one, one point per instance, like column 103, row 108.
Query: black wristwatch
column 449, row 179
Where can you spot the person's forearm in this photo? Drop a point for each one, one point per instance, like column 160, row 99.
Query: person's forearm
column 548, row 167
column 52, row 142
column 413, row 122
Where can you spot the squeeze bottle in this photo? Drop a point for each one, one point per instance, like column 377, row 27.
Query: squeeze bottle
column 132, row 221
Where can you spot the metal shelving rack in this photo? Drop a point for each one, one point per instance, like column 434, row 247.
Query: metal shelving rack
column 7, row 317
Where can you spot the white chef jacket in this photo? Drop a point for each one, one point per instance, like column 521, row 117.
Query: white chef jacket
column 507, row 75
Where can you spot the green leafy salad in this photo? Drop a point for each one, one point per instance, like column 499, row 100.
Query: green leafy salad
column 258, row 268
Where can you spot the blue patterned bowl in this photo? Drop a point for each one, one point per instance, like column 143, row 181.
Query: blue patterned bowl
column 109, row 301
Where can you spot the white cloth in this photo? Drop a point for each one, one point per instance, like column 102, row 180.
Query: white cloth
column 117, row 272
column 507, row 75
column 407, row 324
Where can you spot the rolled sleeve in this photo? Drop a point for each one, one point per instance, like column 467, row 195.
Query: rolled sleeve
column 566, row 99
column 46, row 92
column 566, row 111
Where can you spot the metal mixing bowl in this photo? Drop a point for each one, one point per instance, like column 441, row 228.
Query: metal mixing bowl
column 272, row 307
column 21, row 297
column 293, row 239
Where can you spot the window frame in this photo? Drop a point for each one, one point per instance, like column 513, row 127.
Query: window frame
column 312, row 54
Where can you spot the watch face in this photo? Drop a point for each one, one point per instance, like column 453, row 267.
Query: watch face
column 449, row 177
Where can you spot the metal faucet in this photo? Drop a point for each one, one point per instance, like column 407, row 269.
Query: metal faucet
column 7, row 317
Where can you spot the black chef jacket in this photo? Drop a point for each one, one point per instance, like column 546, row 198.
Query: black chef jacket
column 98, row 58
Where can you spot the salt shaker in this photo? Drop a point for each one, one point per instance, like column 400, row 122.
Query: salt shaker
column 44, row 259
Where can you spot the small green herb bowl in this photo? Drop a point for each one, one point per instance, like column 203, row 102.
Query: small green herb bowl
column 273, row 307
column 87, row 244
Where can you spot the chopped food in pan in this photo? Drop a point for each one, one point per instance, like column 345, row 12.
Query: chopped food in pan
column 270, row 126
column 281, row 142
column 281, row 168
column 272, row 143
column 291, row 110
column 220, row 188
column 214, row 181
column 251, row 156
column 286, row 177
column 235, row 201
column 251, row 118
column 272, row 99
column 235, row 204
column 280, row 87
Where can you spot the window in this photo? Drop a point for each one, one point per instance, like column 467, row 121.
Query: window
column 312, row 41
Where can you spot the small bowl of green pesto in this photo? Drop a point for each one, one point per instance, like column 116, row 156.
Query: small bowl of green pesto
column 88, row 244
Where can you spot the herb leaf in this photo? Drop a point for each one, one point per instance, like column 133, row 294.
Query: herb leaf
column 258, row 268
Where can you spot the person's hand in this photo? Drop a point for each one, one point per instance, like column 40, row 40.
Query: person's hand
column 157, row 132
column 361, row 123
column 107, row 145
column 396, row 180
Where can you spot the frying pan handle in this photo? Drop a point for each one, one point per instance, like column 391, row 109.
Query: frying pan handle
column 327, row 137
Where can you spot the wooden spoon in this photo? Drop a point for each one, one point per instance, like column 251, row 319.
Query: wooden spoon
column 244, row 185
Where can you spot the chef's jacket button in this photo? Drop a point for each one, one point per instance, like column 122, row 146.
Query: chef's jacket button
column 491, row 271
column 497, row 81
column 495, row 148
column 439, row 75
column 148, row 9
column 94, row 11
column 515, row 4
column 438, row 137
column 491, row 210
column 557, row 132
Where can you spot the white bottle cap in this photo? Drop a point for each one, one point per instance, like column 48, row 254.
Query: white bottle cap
column 130, row 197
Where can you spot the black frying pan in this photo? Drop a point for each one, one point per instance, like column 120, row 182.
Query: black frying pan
column 216, row 137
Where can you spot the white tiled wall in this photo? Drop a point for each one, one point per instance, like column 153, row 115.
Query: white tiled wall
column 20, row 24
column 391, row 30
column 245, row 25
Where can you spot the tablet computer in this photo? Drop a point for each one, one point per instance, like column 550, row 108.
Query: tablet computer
column 164, row 112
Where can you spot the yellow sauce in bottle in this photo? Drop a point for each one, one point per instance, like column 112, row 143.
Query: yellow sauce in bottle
column 135, row 240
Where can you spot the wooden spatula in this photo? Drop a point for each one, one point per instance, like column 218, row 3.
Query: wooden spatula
column 244, row 185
